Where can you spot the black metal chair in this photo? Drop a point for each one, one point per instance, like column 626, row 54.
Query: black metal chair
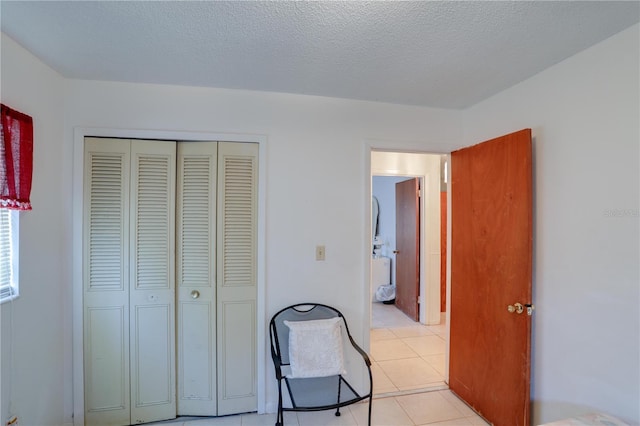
column 319, row 391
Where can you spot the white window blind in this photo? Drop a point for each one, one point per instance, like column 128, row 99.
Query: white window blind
column 8, row 255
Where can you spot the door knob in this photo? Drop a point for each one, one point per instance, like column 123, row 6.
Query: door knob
column 195, row 294
column 396, row 251
column 518, row 308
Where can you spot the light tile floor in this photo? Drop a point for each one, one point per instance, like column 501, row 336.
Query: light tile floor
column 436, row 408
column 406, row 356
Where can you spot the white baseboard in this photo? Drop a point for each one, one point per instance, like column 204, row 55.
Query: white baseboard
column 271, row 407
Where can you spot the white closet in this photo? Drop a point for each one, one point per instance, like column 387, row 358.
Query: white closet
column 169, row 279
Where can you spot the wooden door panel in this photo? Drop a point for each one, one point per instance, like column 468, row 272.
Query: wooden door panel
column 491, row 264
column 408, row 247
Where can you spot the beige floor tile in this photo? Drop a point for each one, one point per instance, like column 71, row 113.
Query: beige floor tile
column 381, row 382
column 458, row 403
column 385, row 316
column 382, row 334
column 454, row 422
column 395, row 367
column 290, row 419
column 385, row 412
column 437, row 361
column 198, row 421
column 409, row 374
column 440, row 330
column 382, row 350
column 477, row 421
column 429, row 407
column 216, row 421
column 326, row 418
column 413, row 331
column 426, row 345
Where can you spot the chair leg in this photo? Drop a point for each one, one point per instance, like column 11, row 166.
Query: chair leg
column 280, row 416
column 339, row 389
column 370, row 398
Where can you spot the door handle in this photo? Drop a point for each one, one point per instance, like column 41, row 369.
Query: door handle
column 195, row 294
column 518, row 308
column 396, row 251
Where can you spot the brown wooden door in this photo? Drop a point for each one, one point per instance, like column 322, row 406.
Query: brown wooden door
column 491, row 264
column 408, row 247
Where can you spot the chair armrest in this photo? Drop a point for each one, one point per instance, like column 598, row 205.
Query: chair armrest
column 277, row 362
column 360, row 351
column 278, row 368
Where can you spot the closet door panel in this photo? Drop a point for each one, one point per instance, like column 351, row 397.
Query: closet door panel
column 196, row 274
column 237, row 379
column 106, row 366
column 236, row 276
column 153, row 352
column 152, row 293
column 106, row 282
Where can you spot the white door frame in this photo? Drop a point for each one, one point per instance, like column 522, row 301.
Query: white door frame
column 409, row 148
column 77, row 212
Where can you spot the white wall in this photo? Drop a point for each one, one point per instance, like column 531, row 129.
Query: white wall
column 37, row 383
column 584, row 114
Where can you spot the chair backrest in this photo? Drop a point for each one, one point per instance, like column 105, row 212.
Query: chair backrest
column 300, row 312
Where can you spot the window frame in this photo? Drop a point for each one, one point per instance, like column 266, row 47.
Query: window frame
column 13, row 281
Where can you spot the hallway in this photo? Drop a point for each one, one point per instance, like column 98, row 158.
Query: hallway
column 406, row 356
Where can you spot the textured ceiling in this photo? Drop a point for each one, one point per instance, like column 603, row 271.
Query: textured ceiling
column 449, row 54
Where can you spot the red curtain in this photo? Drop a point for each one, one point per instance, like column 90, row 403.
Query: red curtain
column 16, row 159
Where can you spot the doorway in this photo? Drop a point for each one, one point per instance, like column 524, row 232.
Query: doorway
column 492, row 189
column 409, row 356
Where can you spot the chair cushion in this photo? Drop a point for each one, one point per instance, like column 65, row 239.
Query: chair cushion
column 315, row 348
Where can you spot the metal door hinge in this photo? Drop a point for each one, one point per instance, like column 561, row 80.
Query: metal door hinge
column 530, row 308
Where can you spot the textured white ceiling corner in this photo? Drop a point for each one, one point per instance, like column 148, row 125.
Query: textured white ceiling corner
column 447, row 54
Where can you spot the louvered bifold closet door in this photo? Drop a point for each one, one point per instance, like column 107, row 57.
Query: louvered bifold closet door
column 106, row 282
column 152, row 274
column 196, row 316
column 236, row 276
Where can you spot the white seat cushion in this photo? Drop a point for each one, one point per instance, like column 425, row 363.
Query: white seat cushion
column 315, row 348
